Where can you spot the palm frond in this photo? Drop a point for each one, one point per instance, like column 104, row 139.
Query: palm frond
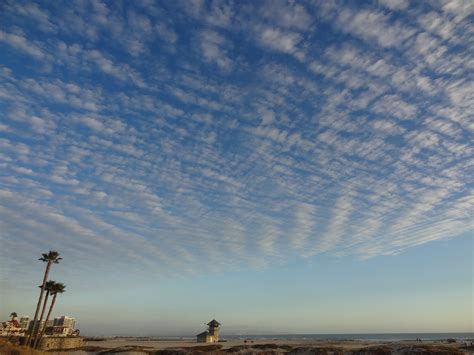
column 52, row 256
column 58, row 288
column 49, row 286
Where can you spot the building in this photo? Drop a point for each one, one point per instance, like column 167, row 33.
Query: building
column 205, row 337
column 24, row 322
column 61, row 327
column 211, row 335
column 11, row 328
column 38, row 325
column 59, row 331
column 61, row 343
column 65, row 321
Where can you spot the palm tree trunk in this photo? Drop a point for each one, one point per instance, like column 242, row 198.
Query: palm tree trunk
column 33, row 327
column 35, row 337
column 47, row 319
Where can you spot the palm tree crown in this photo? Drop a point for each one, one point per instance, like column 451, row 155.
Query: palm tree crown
column 58, row 288
column 52, row 256
column 48, row 286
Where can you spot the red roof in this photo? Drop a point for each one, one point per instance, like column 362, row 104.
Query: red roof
column 15, row 323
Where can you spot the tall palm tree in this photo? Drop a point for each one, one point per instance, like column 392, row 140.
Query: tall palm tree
column 58, row 288
column 49, row 286
column 51, row 258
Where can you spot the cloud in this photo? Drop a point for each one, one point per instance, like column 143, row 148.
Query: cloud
column 387, row 127
column 20, row 43
column 166, row 33
column 40, row 15
column 395, row 4
column 395, row 106
column 304, row 224
column 374, row 26
column 218, row 13
column 212, row 45
column 107, row 66
column 286, row 14
column 279, row 40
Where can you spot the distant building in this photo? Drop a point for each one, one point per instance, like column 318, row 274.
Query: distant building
column 211, row 335
column 24, row 322
column 59, row 330
column 65, row 321
column 205, row 337
column 61, row 326
column 38, row 325
column 11, row 328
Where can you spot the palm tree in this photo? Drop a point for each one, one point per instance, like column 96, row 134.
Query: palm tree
column 49, row 286
column 51, row 258
column 55, row 290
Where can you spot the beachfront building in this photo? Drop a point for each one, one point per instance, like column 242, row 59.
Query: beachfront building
column 24, row 321
column 61, row 326
column 11, row 328
column 211, row 335
column 59, row 331
column 39, row 325
column 65, row 321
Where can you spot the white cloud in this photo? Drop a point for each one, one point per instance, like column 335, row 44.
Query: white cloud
column 166, row 33
column 374, row 26
column 40, row 15
column 393, row 105
column 304, row 224
column 92, row 123
column 21, row 43
column 212, row 45
column 387, row 127
column 395, row 4
column 220, row 13
column 279, row 40
column 287, row 14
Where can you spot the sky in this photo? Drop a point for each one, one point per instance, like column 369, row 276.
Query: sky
column 281, row 166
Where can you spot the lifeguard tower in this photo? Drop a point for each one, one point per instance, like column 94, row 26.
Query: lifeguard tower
column 211, row 335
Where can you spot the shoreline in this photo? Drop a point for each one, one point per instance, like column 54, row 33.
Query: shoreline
column 371, row 337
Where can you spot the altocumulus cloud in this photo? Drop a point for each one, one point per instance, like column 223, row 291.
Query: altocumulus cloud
column 226, row 134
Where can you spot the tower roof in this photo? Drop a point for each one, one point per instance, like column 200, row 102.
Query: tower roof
column 213, row 323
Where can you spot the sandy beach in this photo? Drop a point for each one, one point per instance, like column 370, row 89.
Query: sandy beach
column 178, row 344
column 272, row 346
column 146, row 346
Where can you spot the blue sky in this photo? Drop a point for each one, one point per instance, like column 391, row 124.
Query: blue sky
column 271, row 164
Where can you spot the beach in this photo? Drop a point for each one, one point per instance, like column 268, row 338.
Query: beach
column 272, row 346
column 184, row 346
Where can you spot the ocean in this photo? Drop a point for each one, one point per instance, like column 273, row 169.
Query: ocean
column 367, row 337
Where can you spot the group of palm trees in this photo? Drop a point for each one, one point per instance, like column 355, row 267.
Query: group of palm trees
column 51, row 288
